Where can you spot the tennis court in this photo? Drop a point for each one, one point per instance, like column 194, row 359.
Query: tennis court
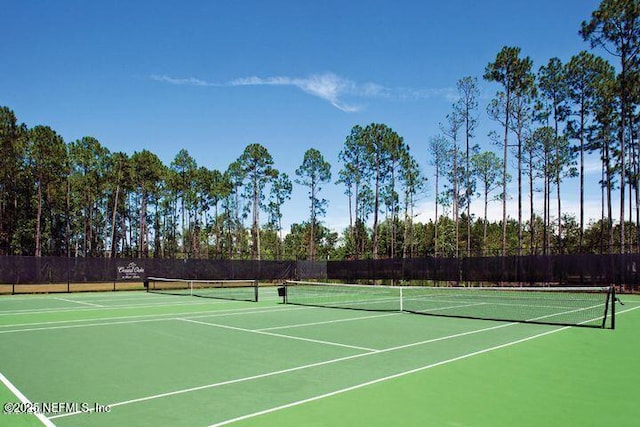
column 142, row 359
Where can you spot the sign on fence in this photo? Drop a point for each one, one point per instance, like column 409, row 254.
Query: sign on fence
column 131, row 271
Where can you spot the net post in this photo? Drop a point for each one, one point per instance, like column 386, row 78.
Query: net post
column 607, row 301
column 191, row 287
column 610, row 307
column 284, row 297
column 613, row 307
column 256, row 284
column 401, row 300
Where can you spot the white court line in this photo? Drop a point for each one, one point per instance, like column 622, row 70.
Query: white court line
column 271, row 334
column 113, row 298
column 170, row 316
column 537, row 319
column 390, row 377
column 49, row 328
column 79, row 302
column 190, row 314
column 532, row 320
column 398, row 375
column 43, row 419
column 294, row 369
column 103, row 296
column 451, row 307
column 328, row 362
column 119, row 307
column 79, row 294
column 185, row 301
column 302, row 325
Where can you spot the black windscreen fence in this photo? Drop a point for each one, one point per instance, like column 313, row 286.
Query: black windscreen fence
column 43, row 270
column 568, row 270
column 564, row 270
column 219, row 269
column 310, row 270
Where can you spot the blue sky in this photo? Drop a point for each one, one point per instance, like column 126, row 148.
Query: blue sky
column 215, row 76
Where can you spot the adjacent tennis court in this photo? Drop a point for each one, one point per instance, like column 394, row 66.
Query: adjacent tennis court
column 142, row 359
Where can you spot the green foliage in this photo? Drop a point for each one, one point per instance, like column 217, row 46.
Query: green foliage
column 13, row 177
column 280, row 193
column 510, row 71
column 255, row 165
column 313, row 172
column 88, row 162
column 296, row 243
column 48, row 168
column 614, row 26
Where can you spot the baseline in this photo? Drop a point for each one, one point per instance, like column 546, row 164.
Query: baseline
column 43, row 419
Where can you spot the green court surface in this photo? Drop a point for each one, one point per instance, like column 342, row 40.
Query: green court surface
column 138, row 359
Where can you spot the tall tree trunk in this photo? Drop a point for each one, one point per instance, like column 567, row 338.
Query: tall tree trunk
column 435, row 241
column 158, row 250
column 582, row 124
column 519, row 186
column 393, row 213
column 609, row 201
column 376, row 209
column 407, row 240
column 113, row 221
column 351, row 228
column 456, row 201
column 68, row 218
column 636, row 188
column 143, row 226
column 602, row 207
column 484, row 226
column 356, row 232
column 545, row 208
column 623, row 165
column 468, row 183
column 560, row 245
column 312, row 237
column 532, row 229
column 504, row 173
column 255, row 227
column 237, row 226
column 38, row 252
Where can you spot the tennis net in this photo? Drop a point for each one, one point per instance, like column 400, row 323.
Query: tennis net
column 241, row 290
column 574, row 306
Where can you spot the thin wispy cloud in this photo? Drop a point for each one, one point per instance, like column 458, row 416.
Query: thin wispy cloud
column 191, row 81
column 327, row 86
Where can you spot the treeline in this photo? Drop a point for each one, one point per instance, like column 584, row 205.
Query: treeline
column 547, row 121
column 80, row 199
